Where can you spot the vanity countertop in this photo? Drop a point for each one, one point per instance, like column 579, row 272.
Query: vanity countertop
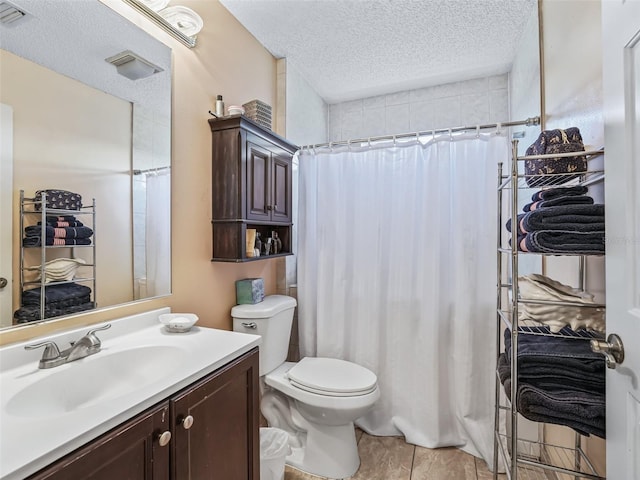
column 35, row 432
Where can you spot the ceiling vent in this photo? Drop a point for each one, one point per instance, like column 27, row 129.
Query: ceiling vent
column 133, row 66
column 10, row 15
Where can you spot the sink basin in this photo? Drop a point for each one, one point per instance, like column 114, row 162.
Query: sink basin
column 94, row 380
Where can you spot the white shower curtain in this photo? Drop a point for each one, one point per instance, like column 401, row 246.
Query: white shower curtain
column 397, row 272
column 158, row 233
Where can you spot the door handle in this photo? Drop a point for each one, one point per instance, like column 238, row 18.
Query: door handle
column 3, row 282
column 612, row 349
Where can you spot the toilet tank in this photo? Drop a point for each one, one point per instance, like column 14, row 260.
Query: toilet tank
column 271, row 319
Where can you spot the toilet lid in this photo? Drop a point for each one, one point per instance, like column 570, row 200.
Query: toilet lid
column 331, row 376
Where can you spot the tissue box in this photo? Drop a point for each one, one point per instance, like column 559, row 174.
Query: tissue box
column 249, row 291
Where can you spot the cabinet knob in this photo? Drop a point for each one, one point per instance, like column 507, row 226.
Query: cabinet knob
column 164, row 438
column 187, row 422
column 3, row 282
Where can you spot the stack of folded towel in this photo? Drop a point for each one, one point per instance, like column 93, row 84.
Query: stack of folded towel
column 58, row 299
column 540, row 287
column 559, row 221
column 560, row 381
column 58, row 270
column 77, row 235
column 62, row 221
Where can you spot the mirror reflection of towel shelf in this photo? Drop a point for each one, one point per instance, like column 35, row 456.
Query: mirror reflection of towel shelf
column 189, row 41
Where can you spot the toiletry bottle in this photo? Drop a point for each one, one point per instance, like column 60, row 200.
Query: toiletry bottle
column 219, row 106
column 257, row 246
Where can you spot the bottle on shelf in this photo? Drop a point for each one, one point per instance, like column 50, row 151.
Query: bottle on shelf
column 219, row 106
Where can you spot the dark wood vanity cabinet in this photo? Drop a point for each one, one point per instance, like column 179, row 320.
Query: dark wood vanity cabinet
column 251, row 186
column 216, row 426
column 214, row 434
column 130, row 451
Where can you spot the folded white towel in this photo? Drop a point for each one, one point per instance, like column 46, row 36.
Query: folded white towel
column 59, row 269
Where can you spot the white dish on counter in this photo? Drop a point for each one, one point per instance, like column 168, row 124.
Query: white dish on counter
column 178, row 322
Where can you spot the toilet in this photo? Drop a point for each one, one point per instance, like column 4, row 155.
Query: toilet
column 315, row 400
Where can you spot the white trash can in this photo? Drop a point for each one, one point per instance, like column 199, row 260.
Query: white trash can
column 274, row 448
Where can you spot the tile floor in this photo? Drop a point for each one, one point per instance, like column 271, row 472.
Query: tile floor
column 391, row 458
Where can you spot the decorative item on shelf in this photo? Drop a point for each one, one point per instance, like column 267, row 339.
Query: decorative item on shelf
column 249, row 291
column 259, row 112
column 277, row 243
column 59, row 199
column 250, row 242
column 183, row 19
column 555, row 142
column 219, row 106
column 235, row 110
column 257, row 247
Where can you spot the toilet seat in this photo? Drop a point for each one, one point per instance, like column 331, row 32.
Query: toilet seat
column 332, row 377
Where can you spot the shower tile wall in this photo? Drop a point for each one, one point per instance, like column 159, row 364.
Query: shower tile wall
column 469, row 102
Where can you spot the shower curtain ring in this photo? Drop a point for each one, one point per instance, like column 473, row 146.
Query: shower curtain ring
column 450, row 135
column 477, row 131
column 369, row 142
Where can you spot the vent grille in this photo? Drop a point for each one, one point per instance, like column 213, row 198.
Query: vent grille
column 10, row 13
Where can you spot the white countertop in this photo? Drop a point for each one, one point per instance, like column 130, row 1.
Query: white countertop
column 30, row 442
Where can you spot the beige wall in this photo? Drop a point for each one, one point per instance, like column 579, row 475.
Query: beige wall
column 573, row 97
column 50, row 113
column 230, row 62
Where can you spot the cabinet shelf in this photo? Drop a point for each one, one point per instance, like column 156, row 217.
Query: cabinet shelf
column 75, row 280
column 531, row 327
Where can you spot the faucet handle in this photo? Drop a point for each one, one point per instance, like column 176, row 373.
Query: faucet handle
column 91, row 335
column 51, row 355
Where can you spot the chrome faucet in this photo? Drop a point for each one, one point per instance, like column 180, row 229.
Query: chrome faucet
column 52, row 356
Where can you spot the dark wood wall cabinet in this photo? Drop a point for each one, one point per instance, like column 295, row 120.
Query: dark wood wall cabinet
column 251, row 187
column 209, row 430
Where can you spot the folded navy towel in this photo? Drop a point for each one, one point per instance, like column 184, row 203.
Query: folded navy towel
column 64, row 232
column 541, row 346
column 560, row 242
column 582, row 411
column 554, row 202
column 61, row 218
column 62, row 224
column 31, row 313
column 550, row 377
column 36, row 241
column 508, row 224
column 67, row 293
column 550, row 193
column 568, row 218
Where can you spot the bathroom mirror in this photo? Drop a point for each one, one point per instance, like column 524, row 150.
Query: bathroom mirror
column 81, row 124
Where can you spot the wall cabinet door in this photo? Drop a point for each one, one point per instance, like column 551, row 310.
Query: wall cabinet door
column 131, row 451
column 281, row 182
column 258, row 183
column 216, row 425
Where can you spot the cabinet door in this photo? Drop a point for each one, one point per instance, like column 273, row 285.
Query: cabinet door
column 281, row 188
column 258, row 191
column 221, row 439
column 129, row 452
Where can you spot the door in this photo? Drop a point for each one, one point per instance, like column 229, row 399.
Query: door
column 215, row 425
column 134, row 451
column 281, row 185
column 258, row 191
column 621, row 87
column 6, row 213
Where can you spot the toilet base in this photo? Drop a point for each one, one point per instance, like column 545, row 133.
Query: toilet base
column 329, row 451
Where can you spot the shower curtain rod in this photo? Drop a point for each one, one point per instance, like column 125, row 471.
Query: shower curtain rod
column 529, row 122
column 151, row 170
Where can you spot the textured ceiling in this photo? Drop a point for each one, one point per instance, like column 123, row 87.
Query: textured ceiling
column 350, row 49
column 74, row 37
